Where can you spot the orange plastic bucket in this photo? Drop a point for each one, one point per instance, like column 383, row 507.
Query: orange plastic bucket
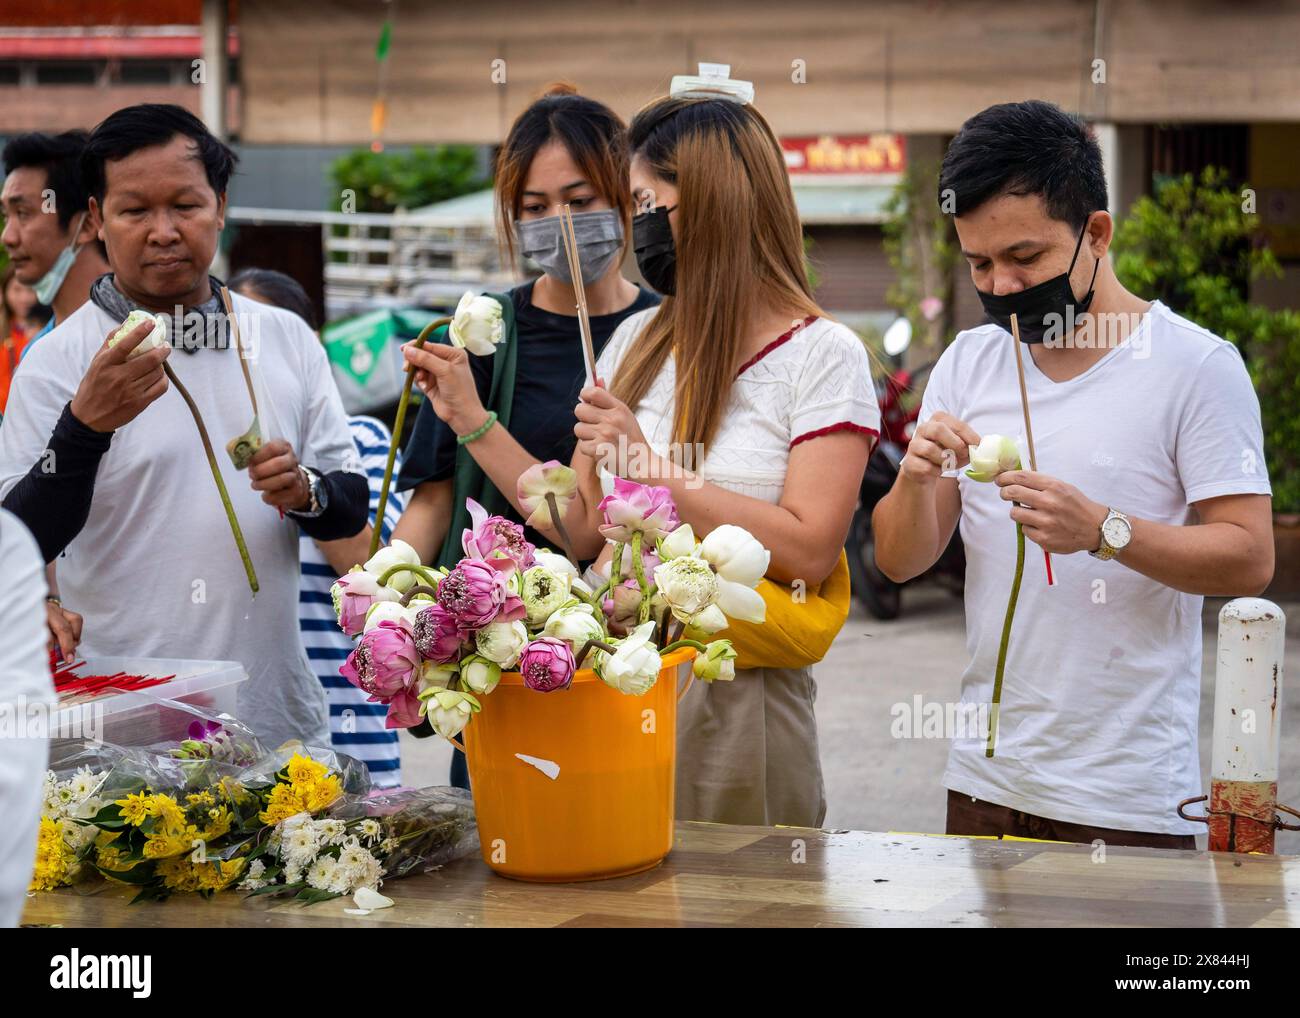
column 609, row 811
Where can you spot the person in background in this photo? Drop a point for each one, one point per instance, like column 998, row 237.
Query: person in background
column 24, row 681
column 564, row 148
column 356, row 724
column 50, row 235
column 17, row 326
column 50, row 232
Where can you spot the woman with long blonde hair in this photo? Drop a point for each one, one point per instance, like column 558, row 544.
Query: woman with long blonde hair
column 739, row 395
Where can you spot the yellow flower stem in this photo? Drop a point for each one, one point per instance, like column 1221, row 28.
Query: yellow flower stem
column 1006, row 638
column 397, row 430
column 216, row 476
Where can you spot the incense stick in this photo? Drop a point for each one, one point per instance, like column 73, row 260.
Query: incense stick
column 575, row 271
column 1029, row 430
column 239, row 348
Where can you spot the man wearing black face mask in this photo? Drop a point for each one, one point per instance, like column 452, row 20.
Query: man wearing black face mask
column 1148, row 437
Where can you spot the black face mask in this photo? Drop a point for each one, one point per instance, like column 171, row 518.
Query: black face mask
column 656, row 255
column 1049, row 306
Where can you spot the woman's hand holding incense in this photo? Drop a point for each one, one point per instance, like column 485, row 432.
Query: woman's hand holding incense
column 610, row 434
column 443, row 374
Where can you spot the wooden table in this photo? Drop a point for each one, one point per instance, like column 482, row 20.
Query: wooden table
column 764, row 876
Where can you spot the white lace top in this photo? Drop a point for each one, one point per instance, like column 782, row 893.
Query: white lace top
column 812, row 380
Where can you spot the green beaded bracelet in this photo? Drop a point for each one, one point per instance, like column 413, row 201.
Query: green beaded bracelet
column 480, row 432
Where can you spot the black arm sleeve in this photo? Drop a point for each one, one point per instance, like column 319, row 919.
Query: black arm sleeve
column 53, row 498
column 346, row 511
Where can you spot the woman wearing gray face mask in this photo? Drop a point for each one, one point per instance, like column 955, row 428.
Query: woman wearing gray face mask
column 563, row 149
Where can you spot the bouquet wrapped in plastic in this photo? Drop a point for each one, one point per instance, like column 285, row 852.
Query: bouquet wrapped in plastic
column 219, row 810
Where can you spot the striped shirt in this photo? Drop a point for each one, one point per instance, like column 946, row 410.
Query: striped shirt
column 356, row 725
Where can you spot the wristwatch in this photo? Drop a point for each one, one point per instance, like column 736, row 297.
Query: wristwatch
column 1116, row 532
column 319, row 496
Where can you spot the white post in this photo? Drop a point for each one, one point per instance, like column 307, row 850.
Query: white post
column 1247, row 725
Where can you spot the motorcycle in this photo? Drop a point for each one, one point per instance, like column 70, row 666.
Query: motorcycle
column 900, row 406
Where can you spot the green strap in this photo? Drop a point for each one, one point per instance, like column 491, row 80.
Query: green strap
column 470, row 480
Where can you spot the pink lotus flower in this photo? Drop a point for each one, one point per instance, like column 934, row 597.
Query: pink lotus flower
column 477, row 592
column 403, row 710
column 621, row 606
column 384, row 663
column 494, row 537
column 353, row 593
column 637, row 507
column 437, row 635
column 547, row 665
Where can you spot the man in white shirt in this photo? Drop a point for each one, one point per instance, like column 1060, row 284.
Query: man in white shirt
column 1150, row 457
column 106, row 468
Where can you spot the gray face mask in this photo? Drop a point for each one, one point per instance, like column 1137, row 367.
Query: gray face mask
column 600, row 241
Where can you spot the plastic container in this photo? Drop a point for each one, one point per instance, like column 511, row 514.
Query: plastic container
column 609, row 811
column 131, row 718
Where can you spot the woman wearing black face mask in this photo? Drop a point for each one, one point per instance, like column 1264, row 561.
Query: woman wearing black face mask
column 563, row 149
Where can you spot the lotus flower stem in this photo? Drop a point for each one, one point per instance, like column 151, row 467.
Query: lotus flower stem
column 423, row 572
column 216, row 476
column 582, row 654
column 638, row 568
column 678, row 644
column 397, row 428
column 560, row 528
column 1006, row 638
column 419, row 588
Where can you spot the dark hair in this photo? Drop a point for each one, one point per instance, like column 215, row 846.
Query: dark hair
column 1025, row 148
column 147, row 124
column 595, row 138
column 59, row 155
column 278, row 289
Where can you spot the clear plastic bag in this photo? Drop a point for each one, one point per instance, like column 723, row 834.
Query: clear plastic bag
column 433, row 826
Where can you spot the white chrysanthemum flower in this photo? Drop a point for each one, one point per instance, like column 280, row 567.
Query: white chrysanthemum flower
column 321, row 873
column 371, row 830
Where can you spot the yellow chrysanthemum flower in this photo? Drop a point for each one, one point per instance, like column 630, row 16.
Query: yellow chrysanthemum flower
column 136, row 808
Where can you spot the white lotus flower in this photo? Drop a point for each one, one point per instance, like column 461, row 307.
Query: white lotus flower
column 994, row 454
column 541, row 479
column 397, row 552
column 502, row 642
column 156, row 339
column 741, row 561
column 449, row 711
column 477, row 324
column 479, row 674
column 543, row 592
column 575, row 624
column 434, row 676
column 680, row 542
column 392, row 611
column 634, row 666
column 717, row 663
column 557, row 564
column 709, row 621
column 688, row 584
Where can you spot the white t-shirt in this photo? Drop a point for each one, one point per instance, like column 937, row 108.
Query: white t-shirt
column 807, row 382
column 24, row 681
column 155, row 571
column 1101, row 695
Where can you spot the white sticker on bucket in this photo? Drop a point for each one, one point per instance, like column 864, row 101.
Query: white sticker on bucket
column 548, row 767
